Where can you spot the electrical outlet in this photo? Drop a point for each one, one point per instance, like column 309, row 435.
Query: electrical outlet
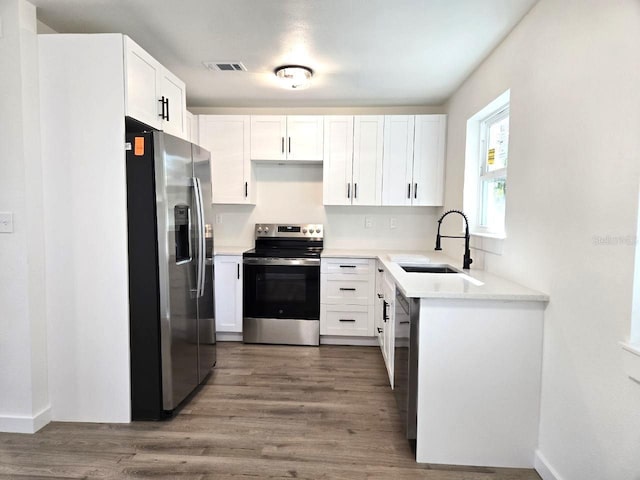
column 393, row 223
column 368, row 222
column 218, row 218
column 6, row 222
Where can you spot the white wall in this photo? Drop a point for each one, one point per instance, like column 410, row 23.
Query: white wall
column 573, row 67
column 24, row 404
column 293, row 194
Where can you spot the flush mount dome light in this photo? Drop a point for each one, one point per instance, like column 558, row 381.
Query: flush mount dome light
column 295, row 77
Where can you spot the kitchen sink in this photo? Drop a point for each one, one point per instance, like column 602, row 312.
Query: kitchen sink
column 429, row 269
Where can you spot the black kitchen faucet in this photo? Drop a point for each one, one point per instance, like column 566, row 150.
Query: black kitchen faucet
column 467, row 252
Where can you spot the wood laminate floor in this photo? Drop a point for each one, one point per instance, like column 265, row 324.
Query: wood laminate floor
column 271, row 412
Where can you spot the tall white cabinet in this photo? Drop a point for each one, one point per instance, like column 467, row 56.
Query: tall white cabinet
column 413, row 164
column 352, row 168
column 84, row 177
column 227, row 137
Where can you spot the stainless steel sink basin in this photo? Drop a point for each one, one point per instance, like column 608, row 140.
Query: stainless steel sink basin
column 429, row 269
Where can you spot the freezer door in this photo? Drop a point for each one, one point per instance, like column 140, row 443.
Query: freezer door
column 177, row 264
column 206, row 320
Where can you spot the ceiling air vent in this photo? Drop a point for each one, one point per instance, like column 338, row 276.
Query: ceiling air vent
column 225, row 66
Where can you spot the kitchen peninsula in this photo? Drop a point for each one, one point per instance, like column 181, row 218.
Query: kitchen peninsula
column 479, row 343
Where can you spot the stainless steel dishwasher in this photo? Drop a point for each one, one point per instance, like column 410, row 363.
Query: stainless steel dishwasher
column 405, row 372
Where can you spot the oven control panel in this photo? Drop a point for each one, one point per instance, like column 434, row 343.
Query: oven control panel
column 314, row 230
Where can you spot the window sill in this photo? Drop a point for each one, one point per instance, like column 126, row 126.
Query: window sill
column 487, row 242
column 497, row 236
column 631, row 359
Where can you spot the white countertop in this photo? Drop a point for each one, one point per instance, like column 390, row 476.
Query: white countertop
column 472, row 284
column 229, row 249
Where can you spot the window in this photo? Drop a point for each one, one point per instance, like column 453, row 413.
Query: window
column 486, row 162
column 494, row 155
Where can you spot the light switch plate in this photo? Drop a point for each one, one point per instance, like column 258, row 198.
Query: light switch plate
column 368, row 222
column 6, row 222
column 393, row 223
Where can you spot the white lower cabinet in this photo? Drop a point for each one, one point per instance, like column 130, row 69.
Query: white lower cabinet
column 228, row 293
column 388, row 320
column 351, row 320
column 347, row 288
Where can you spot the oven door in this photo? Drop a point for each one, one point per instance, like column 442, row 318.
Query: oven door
column 281, row 288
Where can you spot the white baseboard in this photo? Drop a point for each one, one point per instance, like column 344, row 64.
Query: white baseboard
column 544, row 469
column 356, row 341
column 228, row 337
column 25, row 424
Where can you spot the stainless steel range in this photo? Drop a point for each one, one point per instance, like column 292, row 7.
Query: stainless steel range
column 281, row 290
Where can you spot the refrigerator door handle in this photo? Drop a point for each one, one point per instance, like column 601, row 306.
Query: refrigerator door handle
column 201, row 238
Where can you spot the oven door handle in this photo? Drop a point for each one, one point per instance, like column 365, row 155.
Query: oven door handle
column 289, row 262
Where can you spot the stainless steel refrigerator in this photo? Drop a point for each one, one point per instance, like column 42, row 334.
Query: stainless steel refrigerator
column 171, row 300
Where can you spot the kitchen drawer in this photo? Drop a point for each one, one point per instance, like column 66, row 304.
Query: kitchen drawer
column 349, row 266
column 346, row 289
column 351, row 320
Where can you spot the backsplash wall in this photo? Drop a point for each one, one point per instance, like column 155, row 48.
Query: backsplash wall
column 293, row 194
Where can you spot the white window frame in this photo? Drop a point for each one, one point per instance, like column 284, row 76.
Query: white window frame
column 484, row 176
column 475, row 159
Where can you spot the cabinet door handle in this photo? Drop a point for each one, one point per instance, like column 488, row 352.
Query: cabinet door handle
column 380, row 295
column 415, row 190
column 408, row 190
column 355, row 190
column 347, row 266
column 379, row 330
column 238, row 271
column 246, row 189
column 347, row 320
column 167, row 100
column 348, row 190
column 347, row 289
column 161, row 115
column 289, row 144
column 380, row 270
column 282, row 143
column 385, row 317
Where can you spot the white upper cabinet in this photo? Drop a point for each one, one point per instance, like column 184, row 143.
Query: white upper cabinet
column 428, row 160
column 367, row 159
column 352, row 167
column 296, row 138
column 398, row 159
column 337, row 168
column 268, row 137
column 413, row 164
column 153, row 95
column 304, row 138
column 227, row 138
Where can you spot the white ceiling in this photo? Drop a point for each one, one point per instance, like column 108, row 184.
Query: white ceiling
column 363, row 52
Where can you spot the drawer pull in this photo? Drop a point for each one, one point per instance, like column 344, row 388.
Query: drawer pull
column 380, row 270
column 347, row 289
column 348, row 266
column 406, row 321
column 347, row 320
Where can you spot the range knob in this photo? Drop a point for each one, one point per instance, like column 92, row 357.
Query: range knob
column 266, row 229
column 304, row 230
column 259, row 229
column 318, row 230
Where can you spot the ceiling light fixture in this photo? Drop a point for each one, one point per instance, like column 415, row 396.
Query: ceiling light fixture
column 296, row 77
